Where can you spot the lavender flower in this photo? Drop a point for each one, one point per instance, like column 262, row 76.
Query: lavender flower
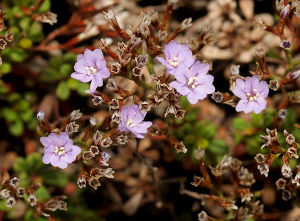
column 252, row 93
column 91, row 66
column 132, row 120
column 59, row 150
column 194, row 83
column 176, row 55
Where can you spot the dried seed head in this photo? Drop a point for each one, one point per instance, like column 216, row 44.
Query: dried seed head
column 96, row 173
column 32, row 199
column 106, row 142
column 87, row 155
column 260, row 158
column 81, row 182
column 108, row 173
column 260, row 51
column 245, row 194
column 235, row 69
column 133, row 43
column 286, row 44
column 51, row 205
column 97, row 100
column 9, row 36
column 116, row 117
column 75, row 115
column 97, row 137
column 47, row 17
column 10, row 201
column 122, row 139
column 217, row 97
column 246, row 178
column 40, row 115
column 94, row 183
column 137, row 72
column 94, row 149
column 4, row 193
column 202, row 216
column 14, row 182
column 289, row 138
column 185, row 24
column 145, row 106
column 141, row 60
column 285, row 11
column 2, row 44
column 282, row 113
column 292, row 152
column 93, row 121
column 72, row 128
column 62, row 205
column 162, row 35
column 180, row 147
column 274, row 85
column 198, row 181
column 110, row 18
column 112, row 85
column 115, row 68
column 296, row 180
column 114, row 104
column 286, row 195
column 286, row 170
column 199, row 153
column 294, row 75
column 280, row 184
column 263, row 169
column 20, row 192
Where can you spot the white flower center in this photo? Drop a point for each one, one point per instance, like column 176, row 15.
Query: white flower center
column 130, row 123
column 192, row 81
column 173, row 62
column 90, row 70
column 253, row 96
column 60, row 150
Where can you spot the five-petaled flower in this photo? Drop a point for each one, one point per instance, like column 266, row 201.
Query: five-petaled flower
column 176, row 56
column 252, row 93
column 132, row 120
column 59, row 150
column 91, row 66
column 194, row 82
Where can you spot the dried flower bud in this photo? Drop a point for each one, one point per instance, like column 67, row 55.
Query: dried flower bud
column 106, row 142
column 75, row 115
column 141, row 60
column 280, row 184
column 10, row 201
column 40, row 115
column 94, row 149
column 285, row 11
column 274, row 85
column 32, row 199
column 62, row 205
column 202, row 216
column 198, row 181
column 245, row 194
column 110, row 17
column 282, row 113
column 263, row 169
column 294, row 75
column 217, row 97
column 286, row 195
column 246, row 178
column 87, row 155
column 94, row 183
column 14, row 182
column 133, row 43
column 96, row 173
column 20, row 192
column 47, row 17
column 235, row 69
column 296, row 180
column 260, row 158
column 116, row 117
column 286, row 44
column 97, row 137
column 199, row 153
column 2, row 44
column 112, row 85
column 185, row 24
column 114, row 104
column 144, row 29
column 292, row 152
column 81, row 182
column 260, row 51
column 72, row 127
column 108, row 173
column 145, row 106
column 9, row 36
column 104, row 159
column 162, row 35
column 51, row 205
column 286, row 170
column 4, row 194
column 97, row 100
column 93, row 121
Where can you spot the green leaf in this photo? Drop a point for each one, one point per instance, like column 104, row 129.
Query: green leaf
column 10, row 115
column 65, row 70
column 45, row 6
column 55, row 178
column 256, row 119
column 17, row 55
column 42, row 193
column 35, row 32
column 218, row 147
column 5, row 68
column 62, row 91
column 72, row 83
column 240, row 124
column 82, row 87
column 34, row 163
column 25, row 23
column 27, row 115
column 25, row 43
column 20, row 165
column 23, row 105
column 16, row 128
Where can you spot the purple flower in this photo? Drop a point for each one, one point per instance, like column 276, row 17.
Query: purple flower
column 252, row 93
column 59, row 150
column 132, row 120
column 91, row 66
column 177, row 55
column 194, row 83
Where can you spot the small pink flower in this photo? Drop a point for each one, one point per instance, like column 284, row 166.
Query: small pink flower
column 194, row 83
column 91, row 66
column 176, row 55
column 252, row 93
column 59, row 150
column 132, row 119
